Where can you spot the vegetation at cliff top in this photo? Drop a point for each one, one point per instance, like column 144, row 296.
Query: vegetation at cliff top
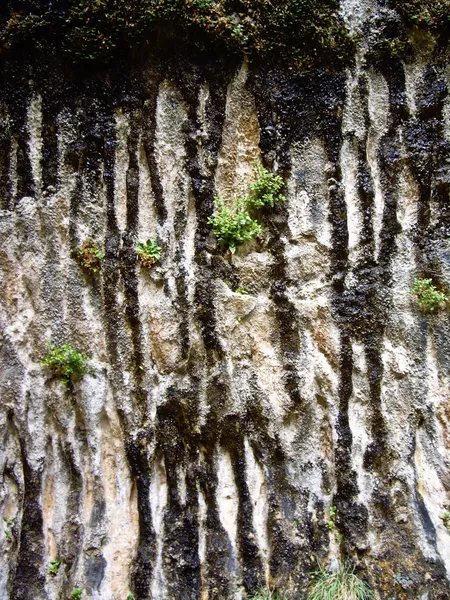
column 433, row 14
column 301, row 32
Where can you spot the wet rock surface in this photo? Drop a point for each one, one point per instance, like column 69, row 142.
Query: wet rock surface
column 202, row 455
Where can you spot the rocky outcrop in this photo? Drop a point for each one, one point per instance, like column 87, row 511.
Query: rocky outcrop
column 218, row 432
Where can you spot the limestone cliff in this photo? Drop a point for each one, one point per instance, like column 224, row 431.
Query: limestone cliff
column 217, row 434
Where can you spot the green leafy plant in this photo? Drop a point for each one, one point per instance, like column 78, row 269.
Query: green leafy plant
column 9, row 524
column 331, row 523
column 131, row 597
column 268, row 594
column 341, row 584
column 240, row 290
column 445, row 516
column 88, row 256
column 65, row 362
column 148, row 253
column 76, row 593
column 428, row 297
column 54, row 566
column 266, row 190
column 236, row 224
column 233, row 226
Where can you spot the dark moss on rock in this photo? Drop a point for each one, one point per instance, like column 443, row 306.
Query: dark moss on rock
column 302, row 33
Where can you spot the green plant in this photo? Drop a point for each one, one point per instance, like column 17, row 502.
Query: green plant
column 341, row 584
column 54, row 566
column 65, row 362
column 9, row 524
column 233, row 226
column 266, row 190
column 148, row 253
column 130, row 597
column 331, row 523
column 88, row 256
column 268, row 594
column 76, row 593
column 428, row 297
column 445, row 516
column 240, row 290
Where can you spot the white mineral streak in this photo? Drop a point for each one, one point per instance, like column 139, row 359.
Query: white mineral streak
column 158, row 502
column 227, row 502
column 378, row 106
column 353, row 129
column 257, row 488
column 35, row 140
column 121, row 165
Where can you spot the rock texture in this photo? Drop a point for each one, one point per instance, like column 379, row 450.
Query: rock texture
column 202, row 455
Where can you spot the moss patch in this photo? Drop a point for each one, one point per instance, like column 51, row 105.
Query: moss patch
column 302, row 33
column 430, row 14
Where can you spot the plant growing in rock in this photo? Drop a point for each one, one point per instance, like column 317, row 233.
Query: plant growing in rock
column 233, row 226
column 236, row 224
column 65, row 362
column 148, row 253
column 428, row 296
column 331, row 523
column 89, row 256
column 9, row 524
column 76, row 593
column 54, row 567
column 341, row 584
column 266, row 190
column 445, row 517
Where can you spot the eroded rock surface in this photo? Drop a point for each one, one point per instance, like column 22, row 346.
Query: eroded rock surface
column 202, row 455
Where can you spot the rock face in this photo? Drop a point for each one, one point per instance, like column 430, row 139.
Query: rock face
column 217, row 434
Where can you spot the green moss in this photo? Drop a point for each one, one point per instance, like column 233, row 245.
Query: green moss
column 300, row 32
column 429, row 14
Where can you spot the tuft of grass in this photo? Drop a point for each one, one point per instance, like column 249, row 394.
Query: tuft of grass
column 65, row 362
column 428, row 296
column 342, row 584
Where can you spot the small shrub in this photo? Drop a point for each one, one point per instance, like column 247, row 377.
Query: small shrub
column 88, row 256
column 76, row 593
column 233, row 226
column 54, row 566
column 265, row 191
column 342, row 584
column 428, row 297
column 148, row 253
column 445, row 516
column 65, row 362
